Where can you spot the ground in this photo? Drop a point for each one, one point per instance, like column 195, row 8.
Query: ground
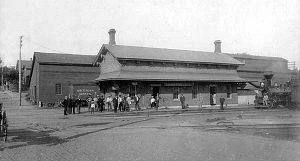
column 183, row 135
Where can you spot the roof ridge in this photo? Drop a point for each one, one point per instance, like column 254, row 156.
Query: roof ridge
column 151, row 53
column 62, row 54
column 148, row 47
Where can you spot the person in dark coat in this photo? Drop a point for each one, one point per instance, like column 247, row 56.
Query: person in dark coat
column 78, row 104
column 73, row 104
column 182, row 101
column 115, row 103
column 137, row 102
column 222, row 100
column 157, row 101
column 101, row 101
column 65, row 105
column 70, row 104
column 125, row 103
column 120, row 103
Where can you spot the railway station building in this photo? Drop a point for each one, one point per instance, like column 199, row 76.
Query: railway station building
column 202, row 77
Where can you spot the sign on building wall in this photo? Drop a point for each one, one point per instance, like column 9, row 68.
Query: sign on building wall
column 84, row 91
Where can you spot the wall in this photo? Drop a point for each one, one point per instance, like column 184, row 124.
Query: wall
column 109, row 64
column 255, row 68
column 177, row 67
column 34, row 82
column 50, row 75
column 144, row 90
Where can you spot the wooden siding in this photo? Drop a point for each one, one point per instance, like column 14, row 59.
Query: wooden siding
column 109, row 64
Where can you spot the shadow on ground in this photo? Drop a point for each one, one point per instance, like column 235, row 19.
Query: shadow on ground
column 28, row 137
column 25, row 137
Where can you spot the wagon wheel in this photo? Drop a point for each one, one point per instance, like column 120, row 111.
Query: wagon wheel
column 5, row 132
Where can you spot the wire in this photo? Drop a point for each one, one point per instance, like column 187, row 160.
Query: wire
column 42, row 46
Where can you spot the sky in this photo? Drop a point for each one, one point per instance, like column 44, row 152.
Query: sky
column 257, row 27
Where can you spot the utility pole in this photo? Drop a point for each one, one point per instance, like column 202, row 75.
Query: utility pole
column 2, row 74
column 2, row 83
column 20, row 74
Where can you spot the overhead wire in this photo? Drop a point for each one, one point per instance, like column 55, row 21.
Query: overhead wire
column 43, row 46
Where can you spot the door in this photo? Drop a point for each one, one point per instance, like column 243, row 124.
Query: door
column 155, row 91
column 212, row 92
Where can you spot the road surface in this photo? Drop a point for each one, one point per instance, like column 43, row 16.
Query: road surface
column 45, row 134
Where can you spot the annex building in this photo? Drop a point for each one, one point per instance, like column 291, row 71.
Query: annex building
column 25, row 70
column 202, row 77
column 54, row 76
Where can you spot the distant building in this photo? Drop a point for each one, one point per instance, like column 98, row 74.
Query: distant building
column 295, row 91
column 54, row 76
column 26, row 69
column 255, row 69
column 202, row 77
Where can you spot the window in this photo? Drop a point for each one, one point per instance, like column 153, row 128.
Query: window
column 194, row 91
column 228, row 91
column 176, row 93
column 58, row 89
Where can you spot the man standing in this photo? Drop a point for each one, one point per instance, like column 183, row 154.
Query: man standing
column 78, row 104
column 182, row 101
column 265, row 99
column 137, row 102
column 65, row 105
column 108, row 102
column 96, row 103
column 115, row 103
column 157, row 101
column 222, row 100
column 128, row 103
column 70, row 104
column 89, row 101
column 101, row 103
column 120, row 103
column 73, row 104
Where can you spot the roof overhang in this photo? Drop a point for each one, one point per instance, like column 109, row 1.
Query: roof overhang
column 169, row 76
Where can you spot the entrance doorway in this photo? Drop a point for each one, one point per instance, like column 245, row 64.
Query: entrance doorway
column 155, row 91
column 212, row 92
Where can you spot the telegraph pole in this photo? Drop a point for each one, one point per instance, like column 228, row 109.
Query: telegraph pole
column 2, row 77
column 1, row 62
column 20, row 74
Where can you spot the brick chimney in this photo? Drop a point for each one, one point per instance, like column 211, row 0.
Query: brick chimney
column 112, row 40
column 218, row 46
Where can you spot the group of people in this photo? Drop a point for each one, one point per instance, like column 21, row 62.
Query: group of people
column 123, row 103
column 154, row 102
column 95, row 104
column 70, row 104
column 118, row 102
column 113, row 103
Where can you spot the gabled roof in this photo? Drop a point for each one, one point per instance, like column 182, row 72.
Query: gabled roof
column 63, row 58
column 160, row 54
column 24, row 63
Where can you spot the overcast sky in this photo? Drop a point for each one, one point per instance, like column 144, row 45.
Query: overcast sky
column 258, row 27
